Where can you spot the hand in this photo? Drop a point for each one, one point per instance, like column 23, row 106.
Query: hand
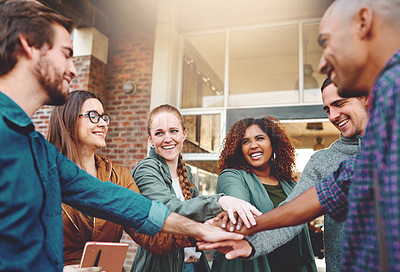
column 245, row 210
column 75, row 268
column 209, row 233
column 231, row 249
column 222, row 221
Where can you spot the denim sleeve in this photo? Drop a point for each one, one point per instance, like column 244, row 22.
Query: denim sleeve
column 107, row 200
column 155, row 220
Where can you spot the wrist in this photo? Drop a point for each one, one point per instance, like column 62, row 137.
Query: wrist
column 253, row 250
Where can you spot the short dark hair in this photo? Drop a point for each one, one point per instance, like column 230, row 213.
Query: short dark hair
column 327, row 82
column 32, row 20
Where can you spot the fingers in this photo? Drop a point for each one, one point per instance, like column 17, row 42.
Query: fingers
column 220, row 220
column 243, row 251
column 239, row 224
column 231, row 214
column 231, row 249
column 216, row 245
column 250, row 212
column 255, row 211
column 244, row 216
column 214, row 234
column 224, row 220
column 209, row 222
column 75, row 268
column 230, row 236
column 245, row 210
column 230, row 226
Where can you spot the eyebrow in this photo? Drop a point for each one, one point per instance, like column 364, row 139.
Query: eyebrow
column 334, row 103
column 258, row 135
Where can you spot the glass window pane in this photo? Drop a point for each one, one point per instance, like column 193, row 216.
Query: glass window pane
column 204, row 175
column 203, row 135
column 203, row 71
column 263, row 66
column 312, row 54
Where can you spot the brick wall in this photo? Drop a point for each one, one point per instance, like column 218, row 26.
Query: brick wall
column 130, row 58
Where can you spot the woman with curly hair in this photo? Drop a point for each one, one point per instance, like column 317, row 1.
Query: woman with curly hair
column 256, row 165
column 164, row 176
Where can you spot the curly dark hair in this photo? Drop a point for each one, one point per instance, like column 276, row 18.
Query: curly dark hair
column 282, row 166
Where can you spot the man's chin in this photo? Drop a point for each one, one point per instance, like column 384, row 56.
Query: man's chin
column 352, row 92
column 58, row 99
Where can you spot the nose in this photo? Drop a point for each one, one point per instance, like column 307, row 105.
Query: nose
column 334, row 114
column 167, row 137
column 253, row 144
column 323, row 65
column 72, row 69
column 102, row 123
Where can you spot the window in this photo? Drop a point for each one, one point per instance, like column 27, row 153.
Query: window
column 256, row 71
column 203, row 71
column 263, row 66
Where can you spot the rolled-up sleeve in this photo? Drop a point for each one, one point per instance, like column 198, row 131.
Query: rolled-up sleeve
column 155, row 220
column 333, row 190
column 109, row 201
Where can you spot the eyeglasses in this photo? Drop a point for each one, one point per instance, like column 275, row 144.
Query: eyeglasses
column 94, row 117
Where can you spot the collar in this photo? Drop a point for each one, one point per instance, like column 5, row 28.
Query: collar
column 393, row 60
column 355, row 139
column 104, row 168
column 154, row 155
column 14, row 113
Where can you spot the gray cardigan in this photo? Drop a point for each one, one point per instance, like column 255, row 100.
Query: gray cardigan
column 321, row 164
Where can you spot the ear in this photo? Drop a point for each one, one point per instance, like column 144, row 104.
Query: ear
column 364, row 20
column 184, row 134
column 150, row 140
column 366, row 101
column 28, row 49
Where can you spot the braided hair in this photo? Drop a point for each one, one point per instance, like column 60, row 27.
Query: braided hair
column 181, row 170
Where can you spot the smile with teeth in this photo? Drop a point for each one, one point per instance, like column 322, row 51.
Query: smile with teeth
column 256, row 155
column 169, row 147
column 342, row 123
column 332, row 76
column 98, row 133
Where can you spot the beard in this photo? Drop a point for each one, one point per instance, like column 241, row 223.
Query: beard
column 51, row 81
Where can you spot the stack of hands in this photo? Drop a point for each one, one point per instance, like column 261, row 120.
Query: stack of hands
column 217, row 233
column 232, row 222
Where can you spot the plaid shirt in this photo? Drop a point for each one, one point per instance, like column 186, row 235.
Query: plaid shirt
column 377, row 163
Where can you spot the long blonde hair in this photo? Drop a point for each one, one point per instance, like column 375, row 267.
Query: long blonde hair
column 181, row 170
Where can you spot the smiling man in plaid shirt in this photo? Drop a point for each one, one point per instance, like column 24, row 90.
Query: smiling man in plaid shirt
column 361, row 55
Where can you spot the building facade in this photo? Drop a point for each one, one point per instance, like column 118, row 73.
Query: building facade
column 217, row 61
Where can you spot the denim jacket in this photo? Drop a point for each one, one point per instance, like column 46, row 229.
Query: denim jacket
column 34, row 179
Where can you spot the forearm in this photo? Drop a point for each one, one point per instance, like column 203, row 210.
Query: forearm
column 162, row 243
column 275, row 238
column 178, row 224
column 298, row 211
